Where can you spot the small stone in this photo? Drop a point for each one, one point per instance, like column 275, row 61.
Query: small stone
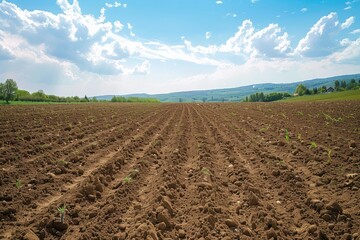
column 161, row 226
column 271, row 234
column 253, row 200
column 122, row 227
column 182, row 233
column 275, row 173
column 231, row 223
column 334, row 207
column 247, row 232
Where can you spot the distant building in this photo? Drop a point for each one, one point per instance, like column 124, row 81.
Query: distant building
column 330, row 90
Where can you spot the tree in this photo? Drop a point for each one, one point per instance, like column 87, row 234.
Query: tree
column 300, row 89
column 94, row 99
column 86, row 99
column 315, row 90
column 337, row 84
column 22, row 94
column 343, row 84
column 9, row 90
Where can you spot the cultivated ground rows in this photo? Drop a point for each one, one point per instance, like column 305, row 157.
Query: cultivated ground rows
column 181, row 171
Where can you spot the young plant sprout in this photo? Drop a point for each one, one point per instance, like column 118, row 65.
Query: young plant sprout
column 127, row 179
column 205, row 171
column 287, row 137
column 62, row 213
column 313, row 145
column 18, row 184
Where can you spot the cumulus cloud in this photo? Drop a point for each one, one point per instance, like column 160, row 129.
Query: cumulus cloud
column 91, row 44
column 303, row 10
column 356, row 31
column 348, row 22
column 254, row 1
column 350, row 54
column 320, row 41
column 267, row 42
column 218, row 2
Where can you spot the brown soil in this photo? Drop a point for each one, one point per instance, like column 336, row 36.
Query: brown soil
column 181, row 171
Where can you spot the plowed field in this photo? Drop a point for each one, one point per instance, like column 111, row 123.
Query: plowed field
column 180, row 171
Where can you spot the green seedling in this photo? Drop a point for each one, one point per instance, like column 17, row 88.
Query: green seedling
column 127, row 179
column 62, row 211
column 300, row 113
column 206, row 171
column 287, row 137
column 313, row 145
column 18, row 184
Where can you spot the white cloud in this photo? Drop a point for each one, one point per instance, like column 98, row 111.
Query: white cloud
column 320, row 41
column 143, row 68
column 347, row 8
column 118, row 26
column 303, row 10
column 356, row 31
column 348, row 22
column 208, row 35
column 350, row 54
column 113, row 5
column 218, row 2
column 254, row 1
column 268, row 42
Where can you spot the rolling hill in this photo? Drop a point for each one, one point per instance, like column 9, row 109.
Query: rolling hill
column 239, row 93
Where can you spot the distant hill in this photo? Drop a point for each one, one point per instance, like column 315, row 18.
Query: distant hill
column 237, row 94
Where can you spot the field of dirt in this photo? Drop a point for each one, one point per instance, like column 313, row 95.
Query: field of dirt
column 180, row 171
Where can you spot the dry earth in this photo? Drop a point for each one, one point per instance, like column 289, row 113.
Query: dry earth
column 180, row 171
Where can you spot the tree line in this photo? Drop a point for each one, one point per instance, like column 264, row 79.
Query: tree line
column 9, row 91
column 338, row 86
column 261, row 97
column 133, row 99
column 301, row 90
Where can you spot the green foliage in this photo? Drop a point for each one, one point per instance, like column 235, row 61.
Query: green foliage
column 62, row 211
column 287, row 137
column 261, row 97
column 313, row 145
column 127, row 179
column 8, row 90
column 206, row 171
column 134, row 99
column 18, row 184
column 335, row 96
column 300, row 90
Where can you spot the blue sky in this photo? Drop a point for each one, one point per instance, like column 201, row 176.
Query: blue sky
column 97, row 47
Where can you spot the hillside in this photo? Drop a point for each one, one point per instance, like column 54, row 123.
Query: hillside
column 236, row 94
column 335, row 96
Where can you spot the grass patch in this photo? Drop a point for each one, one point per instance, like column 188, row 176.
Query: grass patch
column 336, row 96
